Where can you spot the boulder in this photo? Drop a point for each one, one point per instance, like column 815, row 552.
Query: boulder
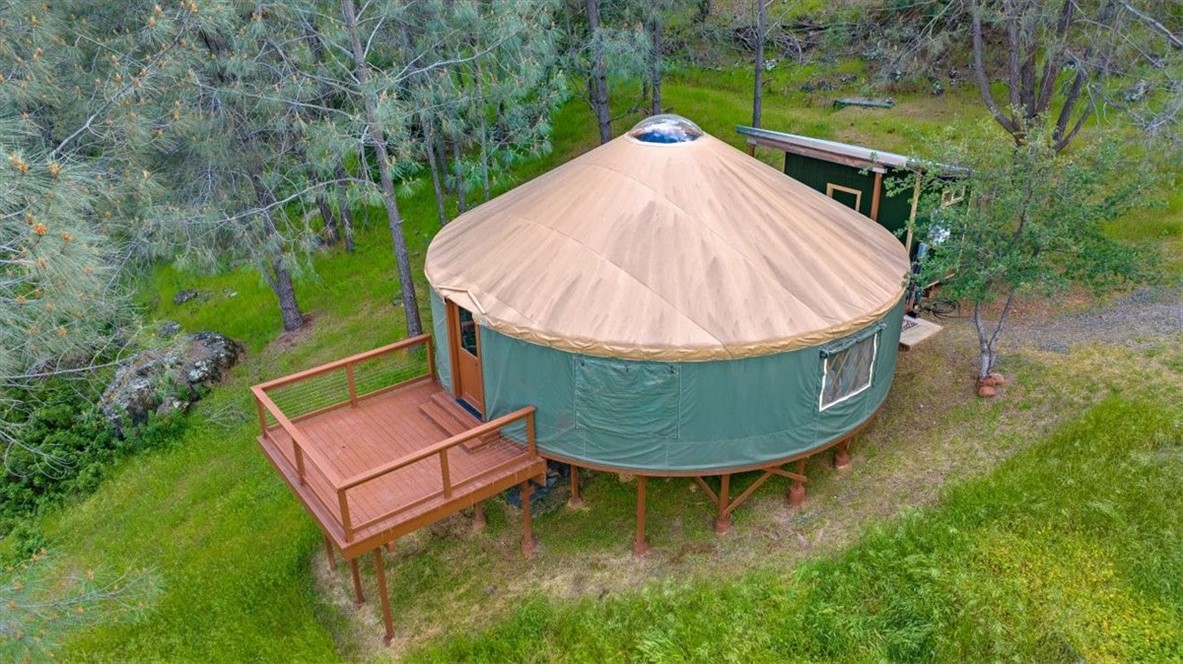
column 168, row 329
column 168, row 379
column 986, row 392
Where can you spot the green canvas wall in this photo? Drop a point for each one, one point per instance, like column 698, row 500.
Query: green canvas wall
column 662, row 416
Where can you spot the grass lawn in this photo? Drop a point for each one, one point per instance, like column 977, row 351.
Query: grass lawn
column 1076, row 529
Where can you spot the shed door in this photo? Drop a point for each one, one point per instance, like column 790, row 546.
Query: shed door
column 465, row 346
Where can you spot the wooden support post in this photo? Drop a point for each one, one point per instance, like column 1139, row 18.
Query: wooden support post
column 478, row 517
column 358, row 597
column 641, row 545
column 842, row 456
column 329, row 552
column 575, row 501
column 528, row 544
column 390, row 546
column 723, row 520
column 797, row 491
column 380, row 572
column 875, row 196
column 352, row 386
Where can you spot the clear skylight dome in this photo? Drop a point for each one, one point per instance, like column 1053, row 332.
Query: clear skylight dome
column 665, row 129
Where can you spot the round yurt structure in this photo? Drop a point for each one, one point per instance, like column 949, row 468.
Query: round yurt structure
column 670, row 306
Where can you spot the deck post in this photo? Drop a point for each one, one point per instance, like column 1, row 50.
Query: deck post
column 380, row 572
column 575, row 501
column 723, row 521
column 359, row 598
column 842, row 456
column 329, row 552
column 528, row 544
column 641, row 545
column 430, row 356
column 875, row 196
column 478, row 517
column 262, row 418
column 352, row 385
column 797, row 491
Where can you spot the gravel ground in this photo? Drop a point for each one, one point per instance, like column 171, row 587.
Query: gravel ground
column 1138, row 320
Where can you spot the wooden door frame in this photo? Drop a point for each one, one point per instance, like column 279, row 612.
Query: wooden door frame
column 452, row 314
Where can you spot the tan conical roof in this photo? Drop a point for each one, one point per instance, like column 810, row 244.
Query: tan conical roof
column 686, row 251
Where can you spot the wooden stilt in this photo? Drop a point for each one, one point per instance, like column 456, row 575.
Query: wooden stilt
column 380, row 572
column 842, row 456
column 528, row 544
column 576, row 500
column 359, row 598
column 723, row 520
column 478, row 517
column 797, row 491
column 390, row 546
column 329, row 552
column 641, row 545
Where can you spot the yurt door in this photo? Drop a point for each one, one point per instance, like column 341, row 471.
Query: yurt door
column 465, row 345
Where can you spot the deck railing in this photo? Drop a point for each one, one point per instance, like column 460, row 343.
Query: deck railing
column 284, row 402
column 439, row 450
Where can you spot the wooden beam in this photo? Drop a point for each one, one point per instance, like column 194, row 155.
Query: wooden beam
column 329, row 552
column 640, row 545
column 576, row 500
column 528, row 544
column 723, row 520
column 875, row 194
column 358, row 597
column 380, row 572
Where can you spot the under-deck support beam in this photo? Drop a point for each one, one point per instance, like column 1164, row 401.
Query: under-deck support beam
column 380, row 573
column 329, row 552
column 358, row 597
column 641, row 545
column 478, row 517
column 576, row 500
column 723, row 520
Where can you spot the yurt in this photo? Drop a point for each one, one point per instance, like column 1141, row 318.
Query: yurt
column 670, row 306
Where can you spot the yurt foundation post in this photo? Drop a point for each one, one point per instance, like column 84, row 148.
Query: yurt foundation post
column 380, row 572
column 641, row 545
column 528, row 544
column 842, row 456
column 576, row 500
column 723, row 521
column 797, row 491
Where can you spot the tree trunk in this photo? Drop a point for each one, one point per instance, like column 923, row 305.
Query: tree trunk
column 598, row 83
column 458, row 167
column 758, row 89
column 343, row 207
column 378, row 139
column 655, row 59
column 485, row 157
column 433, row 164
column 285, row 291
column 332, row 235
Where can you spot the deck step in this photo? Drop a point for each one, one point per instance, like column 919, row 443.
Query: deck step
column 453, row 420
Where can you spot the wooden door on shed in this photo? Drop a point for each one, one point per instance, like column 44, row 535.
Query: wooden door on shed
column 464, row 344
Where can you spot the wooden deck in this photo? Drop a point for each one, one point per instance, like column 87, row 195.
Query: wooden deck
column 373, row 467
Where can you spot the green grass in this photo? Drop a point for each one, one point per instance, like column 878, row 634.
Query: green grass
column 233, row 553
column 1072, row 549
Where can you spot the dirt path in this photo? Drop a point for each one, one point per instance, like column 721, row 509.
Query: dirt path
column 1135, row 321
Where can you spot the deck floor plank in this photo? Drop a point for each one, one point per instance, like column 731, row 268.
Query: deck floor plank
column 381, row 429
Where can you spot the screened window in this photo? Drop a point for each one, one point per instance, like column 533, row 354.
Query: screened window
column 848, row 371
